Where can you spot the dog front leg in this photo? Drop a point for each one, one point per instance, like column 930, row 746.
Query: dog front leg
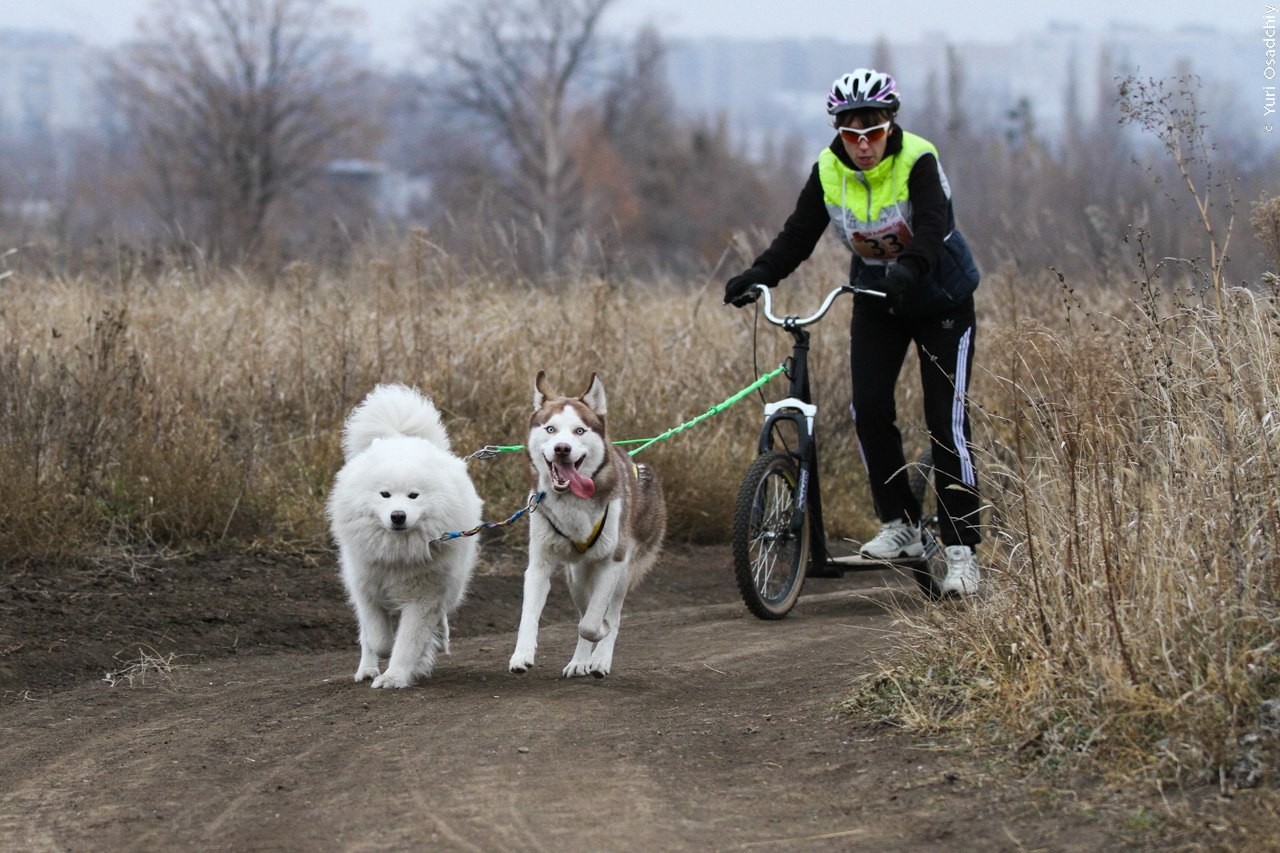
column 537, row 583
column 414, row 652
column 376, row 632
column 602, row 655
column 598, row 625
column 599, row 585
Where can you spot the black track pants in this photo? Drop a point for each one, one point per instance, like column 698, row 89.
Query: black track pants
column 945, row 345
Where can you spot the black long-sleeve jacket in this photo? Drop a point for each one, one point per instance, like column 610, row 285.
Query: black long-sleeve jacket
column 933, row 232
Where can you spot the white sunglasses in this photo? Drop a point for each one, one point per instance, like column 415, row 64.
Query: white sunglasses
column 872, row 135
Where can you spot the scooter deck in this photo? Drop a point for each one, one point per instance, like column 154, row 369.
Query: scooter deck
column 835, row 567
column 857, row 561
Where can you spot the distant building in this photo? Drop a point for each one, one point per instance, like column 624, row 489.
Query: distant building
column 48, row 83
column 1062, row 74
column 376, row 187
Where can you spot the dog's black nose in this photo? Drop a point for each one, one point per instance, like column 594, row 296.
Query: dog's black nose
column 398, row 517
column 562, row 449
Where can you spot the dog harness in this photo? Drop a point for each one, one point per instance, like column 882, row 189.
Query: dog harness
column 584, row 547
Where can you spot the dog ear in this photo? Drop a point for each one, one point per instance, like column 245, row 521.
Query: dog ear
column 594, row 398
column 540, row 390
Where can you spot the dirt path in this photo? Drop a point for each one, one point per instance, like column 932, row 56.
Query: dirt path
column 716, row 732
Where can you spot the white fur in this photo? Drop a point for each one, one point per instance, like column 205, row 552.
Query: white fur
column 399, row 489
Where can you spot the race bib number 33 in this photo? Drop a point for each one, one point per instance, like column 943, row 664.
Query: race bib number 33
column 881, row 244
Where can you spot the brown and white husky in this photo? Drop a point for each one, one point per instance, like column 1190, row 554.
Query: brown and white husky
column 602, row 517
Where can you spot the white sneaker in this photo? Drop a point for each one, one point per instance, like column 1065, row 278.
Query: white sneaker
column 896, row 540
column 962, row 571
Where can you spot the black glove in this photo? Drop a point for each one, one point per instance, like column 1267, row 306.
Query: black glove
column 899, row 281
column 740, row 290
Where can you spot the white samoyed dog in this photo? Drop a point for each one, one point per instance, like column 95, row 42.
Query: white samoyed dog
column 399, row 490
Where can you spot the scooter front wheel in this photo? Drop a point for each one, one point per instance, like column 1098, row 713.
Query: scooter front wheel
column 770, row 536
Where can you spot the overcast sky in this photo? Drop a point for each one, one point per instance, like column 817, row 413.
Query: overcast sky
column 390, row 21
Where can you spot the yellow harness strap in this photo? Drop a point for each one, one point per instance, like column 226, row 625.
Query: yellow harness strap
column 584, row 547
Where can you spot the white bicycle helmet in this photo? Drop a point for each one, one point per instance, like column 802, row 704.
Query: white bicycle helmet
column 863, row 88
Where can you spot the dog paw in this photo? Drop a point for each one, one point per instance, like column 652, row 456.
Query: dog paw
column 365, row 673
column 520, row 663
column 392, row 679
column 578, row 668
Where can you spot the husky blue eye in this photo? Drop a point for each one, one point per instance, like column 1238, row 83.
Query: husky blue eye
column 551, row 429
column 580, row 431
column 386, row 494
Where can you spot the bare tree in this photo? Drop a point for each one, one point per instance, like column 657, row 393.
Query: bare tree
column 516, row 66
column 675, row 189
column 235, row 106
column 651, row 189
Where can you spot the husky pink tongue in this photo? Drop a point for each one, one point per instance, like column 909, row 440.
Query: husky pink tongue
column 581, row 486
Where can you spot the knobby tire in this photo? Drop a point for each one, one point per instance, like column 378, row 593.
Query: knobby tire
column 770, row 544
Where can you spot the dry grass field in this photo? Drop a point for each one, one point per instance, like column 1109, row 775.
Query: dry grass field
column 1128, row 434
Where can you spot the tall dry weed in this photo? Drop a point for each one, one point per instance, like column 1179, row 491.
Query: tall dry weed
column 1134, row 577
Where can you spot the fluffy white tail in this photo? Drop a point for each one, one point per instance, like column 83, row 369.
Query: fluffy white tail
column 391, row 410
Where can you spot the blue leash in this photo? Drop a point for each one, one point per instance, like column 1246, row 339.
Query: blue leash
column 534, row 500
